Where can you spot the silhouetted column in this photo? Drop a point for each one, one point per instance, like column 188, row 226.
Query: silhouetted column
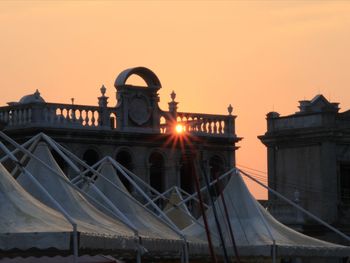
column 103, row 111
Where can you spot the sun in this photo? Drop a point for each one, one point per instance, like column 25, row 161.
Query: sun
column 179, row 128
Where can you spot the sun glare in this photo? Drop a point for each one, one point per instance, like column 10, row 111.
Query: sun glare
column 179, row 128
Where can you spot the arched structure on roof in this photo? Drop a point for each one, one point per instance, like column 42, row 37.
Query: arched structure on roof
column 146, row 74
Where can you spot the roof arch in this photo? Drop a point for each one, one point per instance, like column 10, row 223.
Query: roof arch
column 146, row 74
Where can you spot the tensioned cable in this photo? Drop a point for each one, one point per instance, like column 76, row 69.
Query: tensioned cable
column 294, row 185
column 298, row 206
column 302, row 190
column 291, row 182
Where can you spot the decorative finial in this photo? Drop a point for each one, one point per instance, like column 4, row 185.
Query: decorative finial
column 72, row 99
column 230, row 109
column 173, row 96
column 103, row 90
column 173, row 103
column 37, row 93
column 103, row 100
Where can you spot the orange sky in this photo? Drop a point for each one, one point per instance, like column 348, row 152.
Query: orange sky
column 257, row 55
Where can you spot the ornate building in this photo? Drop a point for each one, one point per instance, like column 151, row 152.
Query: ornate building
column 136, row 132
column 309, row 161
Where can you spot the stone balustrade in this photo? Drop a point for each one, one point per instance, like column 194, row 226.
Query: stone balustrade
column 55, row 115
column 296, row 122
column 200, row 124
column 50, row 115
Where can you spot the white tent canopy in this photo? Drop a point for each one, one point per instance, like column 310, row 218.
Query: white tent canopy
column 156, row 237
column 176, row 210
column 256, row 231
column 27, row 223
column 145, row 222
column 74, row 203
column 109, row 218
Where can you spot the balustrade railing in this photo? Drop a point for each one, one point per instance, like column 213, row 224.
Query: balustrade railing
column 92, row 117
column 200, row 124
column 51, row 114
column 79, row 115
column 16, row 115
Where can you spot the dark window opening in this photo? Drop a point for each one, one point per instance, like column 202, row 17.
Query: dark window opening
column 345, row 183
column 186, row 174
column 125, row 159
column 90, row 157
column 187, row 182
column 156, row 170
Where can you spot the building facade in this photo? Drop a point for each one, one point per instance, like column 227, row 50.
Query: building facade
column 309, row 162
column 136, row 132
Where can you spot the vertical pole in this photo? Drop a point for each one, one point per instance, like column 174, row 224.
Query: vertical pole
column 138, row 256
column 222, row 240
column 210, row 244
column 75, row 243
column 187, row 260
column 138, row 244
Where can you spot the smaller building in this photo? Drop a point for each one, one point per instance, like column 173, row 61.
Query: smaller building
column 309, row 162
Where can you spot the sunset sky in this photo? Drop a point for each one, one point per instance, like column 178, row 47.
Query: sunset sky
column 257, row 55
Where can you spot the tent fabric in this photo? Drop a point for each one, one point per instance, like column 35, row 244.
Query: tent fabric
column 28, row 219
column 177, row 212
column 75, row 204
column 148, row 225
column 155, row 236
column 251, row 224
column 25, row 222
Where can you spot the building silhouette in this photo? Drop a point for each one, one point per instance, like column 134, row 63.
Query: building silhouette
column 309, row 162
column 136, row 132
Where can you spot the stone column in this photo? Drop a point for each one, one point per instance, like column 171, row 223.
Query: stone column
column 103, row 117
column 172, row 112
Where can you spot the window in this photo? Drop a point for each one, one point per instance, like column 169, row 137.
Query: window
column 156, row 171
column 125, row 159
column 90, row 157
column 186, row 174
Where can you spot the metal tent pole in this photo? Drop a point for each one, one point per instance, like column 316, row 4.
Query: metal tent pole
column 274, row 252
